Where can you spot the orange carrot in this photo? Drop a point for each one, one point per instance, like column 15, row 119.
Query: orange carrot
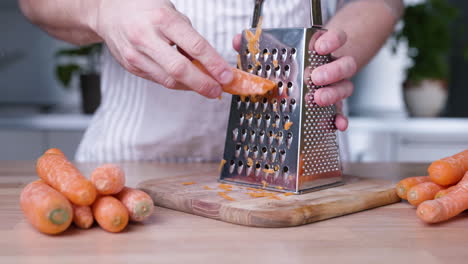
column 54, row 151
column 108, row 179
column 446, row 207
column 82, row 216
column 63, row 176
column 110, row 214
column 138, row 203
column 45, row 208
column 443, row 192
column 188, row 183
column 404, row 185
column 244, row 83
column 450, row 170
column 225, row 196
column 422, row 192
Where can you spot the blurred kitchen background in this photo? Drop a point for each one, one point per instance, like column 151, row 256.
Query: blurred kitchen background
column 395, row 115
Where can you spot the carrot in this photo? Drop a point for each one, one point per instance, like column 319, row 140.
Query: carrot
column 404, row 185
column 82, row 216
column 45, row 208
column 108, row 179
column 443, row 192
column 449, row 170
column 446, row 207
column 63, row 176
column 244, row 83
column 54, row 151
column 110, row 214
column 422, row 192
column 138, row 203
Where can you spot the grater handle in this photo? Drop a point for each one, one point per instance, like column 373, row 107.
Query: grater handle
column 257, row 12
column 316, row 13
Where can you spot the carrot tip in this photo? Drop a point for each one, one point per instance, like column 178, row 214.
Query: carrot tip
column 143, row 209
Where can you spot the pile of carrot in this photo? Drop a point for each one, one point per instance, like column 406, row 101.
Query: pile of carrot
column 63, row 195
column 443, row 194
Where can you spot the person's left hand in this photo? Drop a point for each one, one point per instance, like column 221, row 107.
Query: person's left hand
column 334, row 74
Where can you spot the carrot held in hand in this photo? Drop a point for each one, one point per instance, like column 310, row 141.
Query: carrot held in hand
column 446, row 207
column 63, row 176
column 82, row 216
column 138, row 203
column 422, row 192
column 244, row 83
column 45, row 208
column 110, row 214
column 404, row 185
column 450, row 170
column 108, row 179
column 54, row 151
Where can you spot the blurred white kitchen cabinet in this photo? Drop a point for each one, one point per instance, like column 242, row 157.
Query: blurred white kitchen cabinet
column 27, row 137
column 406, row 140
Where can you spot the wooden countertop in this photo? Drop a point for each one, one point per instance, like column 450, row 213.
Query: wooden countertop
column 391, row 234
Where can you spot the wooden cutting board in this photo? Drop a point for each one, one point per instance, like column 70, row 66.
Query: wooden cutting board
column 202, row 198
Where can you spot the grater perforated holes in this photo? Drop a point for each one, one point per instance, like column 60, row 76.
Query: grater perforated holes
column 267, row 71
column 265, row 54
column 255, row 152
column 259, row 70
column 238, row 150
column 235, row 134
column 290, row 88
column 287, row 71
column 284, row 54
column 252, row 136
column 280, row 87
column 274, row 53
column 258, row 118
column 267, row 120
column 232, row 165
column 277, row 120
column 292, row 105
column 293, row 53
column 261, row 136
column 273, row 154
column 243, row 134
column 278, row 71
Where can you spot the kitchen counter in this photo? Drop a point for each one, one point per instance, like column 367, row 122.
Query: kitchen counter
column 390, row 234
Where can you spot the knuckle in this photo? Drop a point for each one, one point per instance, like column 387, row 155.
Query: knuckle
column 135, row 35
column 164, row 16
column 205, row 87
column 198, row 47
column 177, row 69
column 130, row 57
column 350, row 65
column 169, row 82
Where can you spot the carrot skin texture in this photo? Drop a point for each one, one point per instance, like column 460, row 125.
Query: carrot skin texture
column 447, row 206
column 63, row 176
column 54, row 151
column 449, row 170
column 422, row 192
column 138, row 203
column 45, row 208
column 110, row 214
column 404, row 185
column 82, row 216
column 108, row 179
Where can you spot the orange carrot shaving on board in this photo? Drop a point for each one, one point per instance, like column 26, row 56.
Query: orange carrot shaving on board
column 207, row 188
column 221, row 165
column 46, row 209
column 225, row 196
column 447, row 206
column 225, row 187
column 449, row 170
column 404, row 185
column 288, row 194
column 255, row 190
column 279, row 187
column 422, row 192
column 188, row 183
column 274, row 197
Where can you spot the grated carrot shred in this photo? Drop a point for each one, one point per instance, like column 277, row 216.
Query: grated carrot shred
column 288, row 125
column 275, row 63
column 250, row 162
column 288, row 194
column 267, row 171
column 279, row 188
column 255, row 190
column 225, row 187
column 252, row 40
column 274, row 197
column 207, row 188
column 188, row 183
column 265, row 184
column 221, row 164
column 225, row 196
column 239, row 64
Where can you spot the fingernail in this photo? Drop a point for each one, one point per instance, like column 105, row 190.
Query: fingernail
column 320, row 77
column 215, row 92
column 226, row 76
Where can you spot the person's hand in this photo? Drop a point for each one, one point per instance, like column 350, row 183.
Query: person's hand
column 334, row 74
column 141, row 34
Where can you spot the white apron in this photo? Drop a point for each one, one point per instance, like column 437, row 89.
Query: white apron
column 139, row 120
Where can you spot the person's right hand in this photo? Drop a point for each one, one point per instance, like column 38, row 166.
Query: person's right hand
column 140, row 34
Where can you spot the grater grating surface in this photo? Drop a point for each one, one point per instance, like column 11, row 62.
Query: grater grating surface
column 282, row 140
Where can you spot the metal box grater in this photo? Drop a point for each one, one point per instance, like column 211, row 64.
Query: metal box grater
column 283, row 140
